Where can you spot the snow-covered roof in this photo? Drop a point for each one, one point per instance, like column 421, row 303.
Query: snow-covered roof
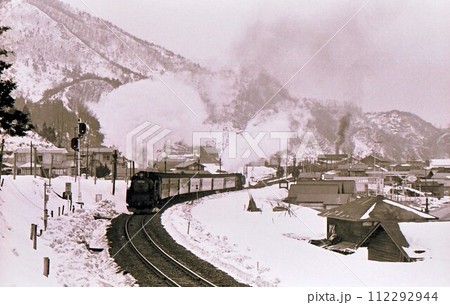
column 41, row 150
column 426, row 240
column 377, row 208
column 28, row 164
column 439, row 162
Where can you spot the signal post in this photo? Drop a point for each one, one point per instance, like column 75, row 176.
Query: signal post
column 75, row 144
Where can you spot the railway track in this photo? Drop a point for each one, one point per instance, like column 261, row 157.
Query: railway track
column 168, row 269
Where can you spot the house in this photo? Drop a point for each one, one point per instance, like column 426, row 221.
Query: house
column 376, row 162
column 309, row 176
column 407, row 241
column 440, row 163
column 421, row 173
column 190, row 166
column 44, row 160
column 94, row 157
column 353, row 221
column 352, row 170
column 364, row 185
column 431, row 186
column 321, row 195
column 443, row 177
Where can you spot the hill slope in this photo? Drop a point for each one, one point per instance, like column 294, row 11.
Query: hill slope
column 116, row 81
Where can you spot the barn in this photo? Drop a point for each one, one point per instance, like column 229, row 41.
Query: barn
column 351, row 223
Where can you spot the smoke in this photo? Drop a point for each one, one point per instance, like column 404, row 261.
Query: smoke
column 391, row 55
column 344, row 123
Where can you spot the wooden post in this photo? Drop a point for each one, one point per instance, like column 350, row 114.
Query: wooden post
column 87, row 160
column 31, row 158
column 59, row 211
column 35, row 160
column 32, row 231
column 1, row 158
column 45, row 207
column 15, row 166
column 51, row 171
column 115, row 172
column 34, row 237
column 46, row 266
column 62, row 212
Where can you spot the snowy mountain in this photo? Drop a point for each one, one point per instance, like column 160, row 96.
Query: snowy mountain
column 116, row 81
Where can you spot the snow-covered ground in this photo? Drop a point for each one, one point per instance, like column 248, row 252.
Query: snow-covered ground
column 272, row 249
column 66, row 238
column 258, row 248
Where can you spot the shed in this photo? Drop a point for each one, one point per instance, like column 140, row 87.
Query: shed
column 354, row 220
column 407, row 241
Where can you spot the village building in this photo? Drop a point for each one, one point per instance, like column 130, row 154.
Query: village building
column 352, row 170
column 190, row 167
column 349, row 225
column 439, row 163
column 42, row 161
column 321, row 195
column 406, row 241
column 375, row 162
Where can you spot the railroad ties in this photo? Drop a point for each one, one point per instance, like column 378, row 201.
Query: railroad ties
column 164, row 266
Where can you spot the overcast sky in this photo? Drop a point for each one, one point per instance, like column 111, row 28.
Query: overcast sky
column 391, row 55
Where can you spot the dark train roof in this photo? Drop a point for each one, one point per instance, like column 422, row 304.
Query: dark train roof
column 180, row 175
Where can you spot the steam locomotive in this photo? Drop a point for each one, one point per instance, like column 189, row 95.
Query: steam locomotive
column 149, row 191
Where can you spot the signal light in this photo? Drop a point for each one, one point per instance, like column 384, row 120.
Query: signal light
column 74, row 144
column 81, row 129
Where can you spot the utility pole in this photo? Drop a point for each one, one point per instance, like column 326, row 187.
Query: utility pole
column 45, row 206
column 31, row 158
column 15, row 166
column 1, row 158
column 35, row 160
column 51, row 171
column 115, row 171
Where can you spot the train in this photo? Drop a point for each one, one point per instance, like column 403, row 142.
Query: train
column 150, row 191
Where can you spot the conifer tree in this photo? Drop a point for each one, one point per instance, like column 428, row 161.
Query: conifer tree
column 13, row 122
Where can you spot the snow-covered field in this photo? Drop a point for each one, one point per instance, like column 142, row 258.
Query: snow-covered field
column 258, row 248
column 66, row 238
column 272, row 249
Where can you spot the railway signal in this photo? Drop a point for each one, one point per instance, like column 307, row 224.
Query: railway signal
column 82, row 128
column 74, row 143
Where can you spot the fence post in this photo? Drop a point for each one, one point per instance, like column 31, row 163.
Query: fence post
column 31, row 232
column 34, row 237
column 46, row 266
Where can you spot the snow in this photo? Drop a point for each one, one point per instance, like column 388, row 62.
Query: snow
column 424, row 215
column 418, row 237
column 66, row 238
column 262, row 249
column 272, row 249
column 367, row 214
